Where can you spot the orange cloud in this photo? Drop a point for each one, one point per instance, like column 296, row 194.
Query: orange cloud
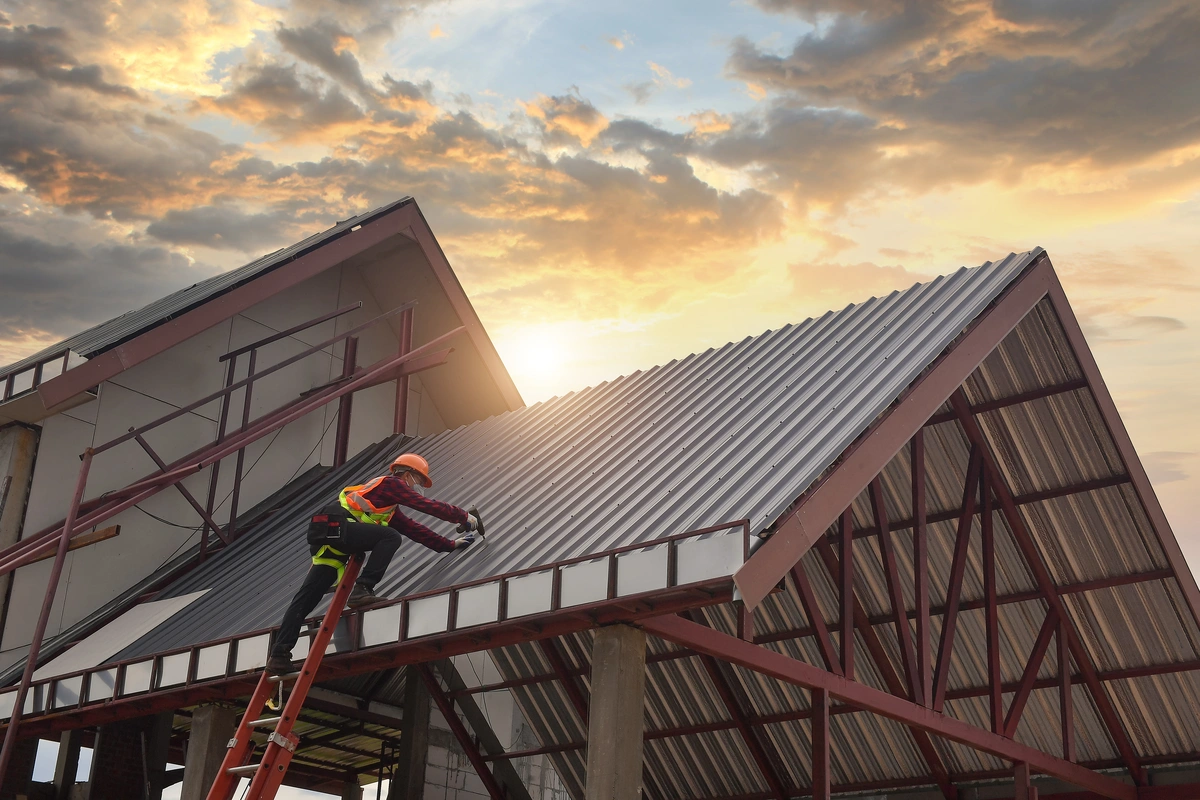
column 567, row 114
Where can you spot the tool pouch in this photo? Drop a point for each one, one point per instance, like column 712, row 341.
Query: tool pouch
column 325, row 529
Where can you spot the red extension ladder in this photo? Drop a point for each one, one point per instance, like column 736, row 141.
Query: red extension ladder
column 267, row 774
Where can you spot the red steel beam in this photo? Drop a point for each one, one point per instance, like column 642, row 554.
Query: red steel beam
column 563, row 674
column 183, row 327
column 1066, row 704
column 971, row 605
column 991, row 611
column 921, row 568
column 39, row 631
column 188, row 465
column 954, row 586
column 808, row 600
column 341, row 439
column 460, row 732
column 1022, row 789
column 402, row 653
column 400, row 425
column 867, row 456
column 1018, row 500
column 846, row 584
column 1124, row 445
column 1045, row 583
column 420, row 232
column 782, row 668
column 879, row 655
column 183, row 490
column 1017, row 706
column 733, row 707
column 303, row 326
column 820, row 745
column 1013, row 400
column 887, row 555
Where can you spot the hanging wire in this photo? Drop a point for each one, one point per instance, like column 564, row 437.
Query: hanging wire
column 195, row 530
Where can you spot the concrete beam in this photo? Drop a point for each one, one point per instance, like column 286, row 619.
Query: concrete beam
column 67, row 765
column 615, row 721
column 213, row 725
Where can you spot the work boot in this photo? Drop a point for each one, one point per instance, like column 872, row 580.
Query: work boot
column 362, row 596
column 279, row 665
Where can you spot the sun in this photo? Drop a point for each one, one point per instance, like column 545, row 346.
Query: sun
column 536, row 357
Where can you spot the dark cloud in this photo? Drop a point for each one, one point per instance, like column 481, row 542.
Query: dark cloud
column 808, row 154
column 285, row 101
column 1039, row 83
column 221, row 228
column 43, row 52
column 60, row 288
column 327, row 47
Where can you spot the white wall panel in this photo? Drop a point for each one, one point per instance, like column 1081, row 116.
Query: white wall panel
column 312, row 298
column 55, row 470
column 184, row 373
column 121, row 408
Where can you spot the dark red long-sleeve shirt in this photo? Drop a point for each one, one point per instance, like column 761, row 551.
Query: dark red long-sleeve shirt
column 394, row 491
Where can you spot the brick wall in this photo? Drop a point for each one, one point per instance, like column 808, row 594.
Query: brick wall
column 117, row 766
column 20, row 768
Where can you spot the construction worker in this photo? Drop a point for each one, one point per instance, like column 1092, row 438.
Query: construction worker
column 366, row 518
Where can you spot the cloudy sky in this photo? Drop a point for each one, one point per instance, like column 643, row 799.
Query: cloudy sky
column 621, row 183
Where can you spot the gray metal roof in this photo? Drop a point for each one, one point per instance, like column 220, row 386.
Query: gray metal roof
column 731, row 433
column 740, row 431
column 109, row 334
column 1128, row 630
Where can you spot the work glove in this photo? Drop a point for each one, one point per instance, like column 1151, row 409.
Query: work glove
column 472, row 524
column 463, row 542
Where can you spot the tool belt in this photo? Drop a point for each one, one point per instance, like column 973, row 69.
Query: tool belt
column 325, row 535
column 326, row 527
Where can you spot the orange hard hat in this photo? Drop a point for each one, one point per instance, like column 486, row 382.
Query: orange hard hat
column 414, row 462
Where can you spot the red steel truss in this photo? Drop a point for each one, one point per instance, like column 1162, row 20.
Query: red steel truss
column 916, row 676
column 108, row 505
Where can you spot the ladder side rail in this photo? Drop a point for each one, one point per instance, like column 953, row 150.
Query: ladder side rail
column 282, row 743
column 242, row 744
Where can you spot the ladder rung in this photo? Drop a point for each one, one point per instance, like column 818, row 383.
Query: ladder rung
column 291, row 676
column 262, row 723
column 247, row 769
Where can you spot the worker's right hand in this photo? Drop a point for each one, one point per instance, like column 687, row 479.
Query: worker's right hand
column 471, row 525
column 463, row 542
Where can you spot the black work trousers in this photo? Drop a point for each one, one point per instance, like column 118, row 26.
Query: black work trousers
column 357, row 537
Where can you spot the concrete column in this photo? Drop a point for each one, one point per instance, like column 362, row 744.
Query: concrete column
column 212, row 727
column 409, row 782
column 67, row 765
column 18, row 448
column 617, row 714
column 352, row 791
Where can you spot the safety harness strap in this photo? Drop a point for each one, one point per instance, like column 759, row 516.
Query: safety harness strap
column 320, row 559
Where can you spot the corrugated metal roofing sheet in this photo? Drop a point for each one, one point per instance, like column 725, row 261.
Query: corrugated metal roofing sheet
column 738, row 432
column 109, row 334
column 735, row 432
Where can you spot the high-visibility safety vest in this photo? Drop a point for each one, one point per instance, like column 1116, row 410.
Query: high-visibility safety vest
column 361, row 508
column 327, row 557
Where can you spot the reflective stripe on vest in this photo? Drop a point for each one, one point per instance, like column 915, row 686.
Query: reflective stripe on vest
column 320, row 560
column 363, row 509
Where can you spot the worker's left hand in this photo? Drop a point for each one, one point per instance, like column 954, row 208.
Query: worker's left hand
column 463, row 542
column 471, row 525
